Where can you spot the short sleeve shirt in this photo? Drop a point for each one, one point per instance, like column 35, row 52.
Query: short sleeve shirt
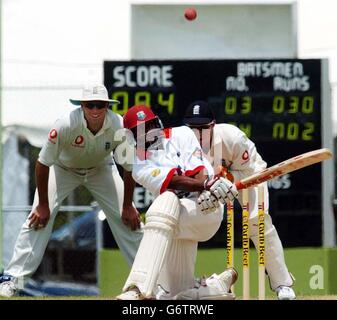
column 71, row 144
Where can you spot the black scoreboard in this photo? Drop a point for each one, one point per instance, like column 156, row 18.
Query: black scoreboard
column 277, row 103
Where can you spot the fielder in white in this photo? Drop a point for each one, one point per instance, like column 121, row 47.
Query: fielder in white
column 169, row 163
column 226, row 146
column 78, row 151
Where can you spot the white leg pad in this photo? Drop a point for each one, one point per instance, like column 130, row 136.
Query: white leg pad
column 161, row 221
column 275, row 263
column 177, row 273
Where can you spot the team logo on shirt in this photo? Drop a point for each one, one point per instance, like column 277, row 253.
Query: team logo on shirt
column 52, row 136
column 107, row 146
column 141, row 115
column 155, row 173
column 78, row 142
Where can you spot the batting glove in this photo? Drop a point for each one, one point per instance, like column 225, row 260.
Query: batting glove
column 207, row 202
column 224, row 190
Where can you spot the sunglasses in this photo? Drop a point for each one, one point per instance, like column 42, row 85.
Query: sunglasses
column 97, row 105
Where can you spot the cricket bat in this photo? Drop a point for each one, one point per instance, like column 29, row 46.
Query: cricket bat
column 292, row 164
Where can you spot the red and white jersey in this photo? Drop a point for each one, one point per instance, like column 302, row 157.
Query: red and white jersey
column 71, row 144
column 233, row 150
column 181, row 154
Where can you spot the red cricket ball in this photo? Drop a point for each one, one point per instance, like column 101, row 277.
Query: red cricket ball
column 190, row 13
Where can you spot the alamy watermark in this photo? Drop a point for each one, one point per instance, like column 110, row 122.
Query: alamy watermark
column 317, row 279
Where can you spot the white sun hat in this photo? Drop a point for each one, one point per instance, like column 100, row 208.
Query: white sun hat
column 93, row 93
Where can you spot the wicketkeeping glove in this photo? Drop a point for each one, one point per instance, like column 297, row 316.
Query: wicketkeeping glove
column 207, row 202
column 224, row 190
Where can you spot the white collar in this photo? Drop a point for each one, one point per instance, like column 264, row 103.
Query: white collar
column 106, row 124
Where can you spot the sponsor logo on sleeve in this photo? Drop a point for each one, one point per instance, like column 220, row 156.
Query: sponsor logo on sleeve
column 245, row 157
column 52, row 136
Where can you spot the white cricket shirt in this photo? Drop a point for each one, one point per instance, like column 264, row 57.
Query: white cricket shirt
column 71, row 144
column 181, row 154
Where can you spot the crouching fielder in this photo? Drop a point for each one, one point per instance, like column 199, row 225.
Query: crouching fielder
column 226, row 146
column 169, row 163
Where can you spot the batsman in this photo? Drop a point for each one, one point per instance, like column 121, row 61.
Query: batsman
column 228, row 149
column 169, row 163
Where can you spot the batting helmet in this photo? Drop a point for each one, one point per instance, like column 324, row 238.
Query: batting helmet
column 137, row 115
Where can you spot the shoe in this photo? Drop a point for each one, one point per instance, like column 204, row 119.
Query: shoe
column 132, row 293
column 219, row 286
column 285, row 293
column 162, row 294
column 7, row 289
column 216, row 287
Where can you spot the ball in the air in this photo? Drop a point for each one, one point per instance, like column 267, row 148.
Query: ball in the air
column 190, row 13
